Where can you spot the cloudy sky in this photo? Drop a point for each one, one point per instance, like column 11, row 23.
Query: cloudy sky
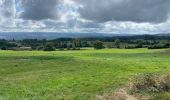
column 81, row 16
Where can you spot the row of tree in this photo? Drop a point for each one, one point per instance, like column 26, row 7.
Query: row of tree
column 97, row 43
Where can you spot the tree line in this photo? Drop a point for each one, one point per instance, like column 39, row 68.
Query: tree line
column 127, row 42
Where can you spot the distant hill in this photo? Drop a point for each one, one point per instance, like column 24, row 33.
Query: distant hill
column 54, row 35
column 51, row 35
column 163, row 34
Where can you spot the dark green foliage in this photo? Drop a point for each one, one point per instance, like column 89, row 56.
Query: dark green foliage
column 128, row 42
column 4, row 44
column 167, row 44
column 98, row 45
column 3, row 48
column 40, row 48
column 117, row 43
column 158, row 46
column 140, row 43
column 49, row 47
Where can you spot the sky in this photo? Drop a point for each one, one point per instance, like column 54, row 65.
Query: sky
column 85, row 16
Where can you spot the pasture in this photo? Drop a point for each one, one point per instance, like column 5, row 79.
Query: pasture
column 74, row 75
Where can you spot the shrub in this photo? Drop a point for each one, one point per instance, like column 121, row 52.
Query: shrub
column 61, row 49
column 49, row 47
column 40, row 48
column 68, row 48
column 3, row 48
column 98, row 45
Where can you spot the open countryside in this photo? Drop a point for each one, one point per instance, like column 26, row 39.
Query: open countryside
column 84, row 49
column 70, row 75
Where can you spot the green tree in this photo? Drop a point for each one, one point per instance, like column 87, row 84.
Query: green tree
column 49, row 47
column 117, row 43
column 98, row 45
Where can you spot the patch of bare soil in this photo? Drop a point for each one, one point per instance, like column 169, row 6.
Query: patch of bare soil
column 118, row 95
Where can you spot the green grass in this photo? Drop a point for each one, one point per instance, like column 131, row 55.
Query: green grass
column 73, row 75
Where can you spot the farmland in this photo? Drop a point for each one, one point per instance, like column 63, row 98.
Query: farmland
column 74, row 75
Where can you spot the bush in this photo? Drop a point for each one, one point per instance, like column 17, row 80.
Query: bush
column 61, row 49
column 75, row 48
column 40, row 48
column 49, row 47
column 3, row 48
column 98, row 45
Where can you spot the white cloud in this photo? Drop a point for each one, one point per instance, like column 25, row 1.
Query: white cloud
column 70, row 17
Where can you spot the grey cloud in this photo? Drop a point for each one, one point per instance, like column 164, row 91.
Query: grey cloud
column 81, row 24
column 40, row 9
column 154, row 11
column 54, row 24
column 7, row 8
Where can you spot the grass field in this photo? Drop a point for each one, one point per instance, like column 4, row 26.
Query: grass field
column 73, row 75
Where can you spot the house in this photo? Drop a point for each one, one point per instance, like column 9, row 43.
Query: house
column 25, row 48
column 20, row 48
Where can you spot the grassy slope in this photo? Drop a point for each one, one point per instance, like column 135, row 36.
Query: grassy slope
column 73, row 74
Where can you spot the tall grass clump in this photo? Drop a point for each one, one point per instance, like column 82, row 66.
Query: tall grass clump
column 150, row 83
column 141, row 88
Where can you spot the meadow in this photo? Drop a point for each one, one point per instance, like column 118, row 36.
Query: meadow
column 74, row 75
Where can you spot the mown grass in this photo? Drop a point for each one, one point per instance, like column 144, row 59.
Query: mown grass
column 74, row 75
